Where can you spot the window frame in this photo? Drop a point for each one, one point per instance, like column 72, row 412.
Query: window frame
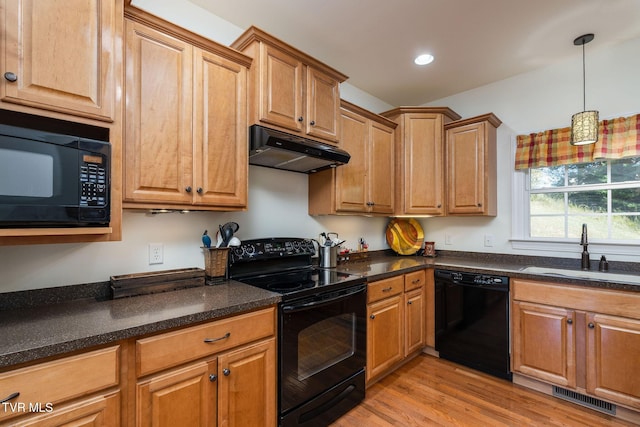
column 522, row 240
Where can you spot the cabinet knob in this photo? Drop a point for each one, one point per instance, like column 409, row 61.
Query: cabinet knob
column 199, row 190
column 312, row 123
column 409, row 302
column 373, row 316
column 226, row 372
column 300, row 118
column 12, row 77
column 439, row 206
column 188, row 189
column 591, row 325
column 570, row 321
column 213, row 377
column 479, row 205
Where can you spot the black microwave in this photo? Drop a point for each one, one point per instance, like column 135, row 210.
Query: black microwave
column 52, row 179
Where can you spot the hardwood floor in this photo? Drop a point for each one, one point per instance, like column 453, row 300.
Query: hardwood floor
column 429, row 391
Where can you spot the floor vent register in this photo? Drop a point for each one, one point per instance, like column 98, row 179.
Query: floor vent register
column 587, row 401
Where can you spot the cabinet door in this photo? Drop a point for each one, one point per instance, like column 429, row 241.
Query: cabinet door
column 381, row 169
column 613, row 353
column 466, row 169
column 220, row 131
column 158, row 138
column 323, row 105
column 414, row 335
column 384, row 335
column 351, row 188
column 423, row 161
column 544, row 343
column 100, row 411
column 281, row 86
column 247, row 386
column 183, row 397
column 63, row 55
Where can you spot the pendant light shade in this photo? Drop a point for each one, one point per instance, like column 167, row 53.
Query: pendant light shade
column 584, row 125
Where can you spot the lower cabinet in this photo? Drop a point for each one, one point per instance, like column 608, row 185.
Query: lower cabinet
column 396, row 326
column 232, row 384
column 80, row 390
column 587, row 340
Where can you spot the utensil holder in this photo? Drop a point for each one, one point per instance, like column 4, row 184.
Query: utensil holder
column 215, row 262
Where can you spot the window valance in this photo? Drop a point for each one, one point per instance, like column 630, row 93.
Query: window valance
column 617, row 138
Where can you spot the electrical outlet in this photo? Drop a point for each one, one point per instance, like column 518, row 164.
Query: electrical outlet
column 156, row 253
column 447, row 239
column 488, row 240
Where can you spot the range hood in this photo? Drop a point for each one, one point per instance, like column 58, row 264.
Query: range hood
column 280, row 150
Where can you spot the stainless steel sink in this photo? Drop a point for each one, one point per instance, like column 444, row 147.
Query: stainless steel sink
column 582, row 274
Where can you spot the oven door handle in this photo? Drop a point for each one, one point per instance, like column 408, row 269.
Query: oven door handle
column 306, row 305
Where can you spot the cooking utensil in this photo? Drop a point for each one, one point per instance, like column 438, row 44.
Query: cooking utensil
column 226, row 231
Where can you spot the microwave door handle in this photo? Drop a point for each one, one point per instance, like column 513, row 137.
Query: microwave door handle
column 317, row 303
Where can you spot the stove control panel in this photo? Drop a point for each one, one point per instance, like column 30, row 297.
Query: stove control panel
column 275, row 247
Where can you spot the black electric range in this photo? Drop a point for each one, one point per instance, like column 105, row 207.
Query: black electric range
column 284, row 265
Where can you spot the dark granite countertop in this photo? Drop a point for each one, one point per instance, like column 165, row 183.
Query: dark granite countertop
column 33, row 333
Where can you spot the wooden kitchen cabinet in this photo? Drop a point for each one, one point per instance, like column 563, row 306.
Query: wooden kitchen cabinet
column 289, row 90
column 365, row 185
column 419, row 160
column 75, row 390
column 583, row 339
column 222, row 372
column 186, row 119
column 47, row 65
column 472, row 166
column 396, row 325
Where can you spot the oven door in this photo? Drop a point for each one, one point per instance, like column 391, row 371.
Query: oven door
column 322, row 343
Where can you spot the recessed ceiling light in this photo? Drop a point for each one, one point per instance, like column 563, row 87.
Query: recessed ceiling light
column 424, row 59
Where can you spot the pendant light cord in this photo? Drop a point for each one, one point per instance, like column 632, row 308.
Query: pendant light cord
column 584, row 82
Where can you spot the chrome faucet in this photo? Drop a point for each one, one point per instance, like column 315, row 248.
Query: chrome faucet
column 586, row 263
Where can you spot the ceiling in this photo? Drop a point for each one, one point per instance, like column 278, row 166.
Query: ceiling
column 475, row 42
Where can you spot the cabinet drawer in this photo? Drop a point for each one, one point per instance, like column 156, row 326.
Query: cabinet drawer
column 414, row 280
column 385, row 288
column 60, row 380
column 174, row 348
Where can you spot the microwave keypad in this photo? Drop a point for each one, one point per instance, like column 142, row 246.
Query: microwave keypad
column 94, row 185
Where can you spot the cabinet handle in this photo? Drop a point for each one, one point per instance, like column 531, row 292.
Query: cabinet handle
column 226, row 372
column 415, row 281
column 312, row 123
column 10, row 397
column 387, row 289
column 224, row 337
column 373, row 316
column 188, row 189
column 12, row 77
column 300, row 118
column 570, row 321
column 591, row 325
column 199, row 190
column 409, row 302
column 213, row 377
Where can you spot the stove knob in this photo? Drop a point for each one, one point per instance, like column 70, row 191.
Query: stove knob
column 249, row 250
column 238, row 251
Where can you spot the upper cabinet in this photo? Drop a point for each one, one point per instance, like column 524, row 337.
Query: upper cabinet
column 365, row 185
column 60, row 56
column 289, row 90
column 185, row 121
column 62, row 60
column 471, row 166
column 419, row 148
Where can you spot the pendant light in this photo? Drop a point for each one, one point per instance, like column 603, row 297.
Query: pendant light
column 584, row 125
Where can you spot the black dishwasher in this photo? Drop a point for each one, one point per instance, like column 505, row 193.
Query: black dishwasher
column 472, row 320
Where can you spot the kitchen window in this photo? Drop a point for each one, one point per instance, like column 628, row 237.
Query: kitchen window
column 551, row 204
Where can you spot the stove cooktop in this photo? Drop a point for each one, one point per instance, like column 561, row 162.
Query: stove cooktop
column 284, row 265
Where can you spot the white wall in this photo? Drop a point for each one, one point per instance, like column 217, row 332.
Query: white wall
column 278, row 199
